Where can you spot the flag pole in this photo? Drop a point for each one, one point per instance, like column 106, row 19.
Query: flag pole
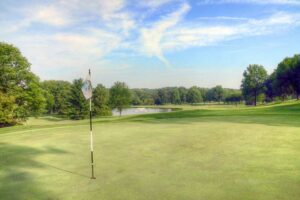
column 91, row 133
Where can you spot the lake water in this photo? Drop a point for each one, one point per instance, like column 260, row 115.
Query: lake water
column 135, row 111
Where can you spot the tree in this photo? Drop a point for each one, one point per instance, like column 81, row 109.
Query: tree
column 161, row 97
column 59, row 92
column 7, row 107
column 234, row 98
column 194, row 95
column 19, row 84
column 295, row 75
column 101, row 101
column 203, row 92
column 78, row 105
column 50, row 103
column 175, row 96
column 270, row 91
column 135, row 98
column 253, row 82
column 218, row 93
column 143, row 96
column 288, row 76
column 120, row 96
column 35, row 99
column 183, row 92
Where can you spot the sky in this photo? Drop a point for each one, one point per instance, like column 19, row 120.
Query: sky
column 151, row 43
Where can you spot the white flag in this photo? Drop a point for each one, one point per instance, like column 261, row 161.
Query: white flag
column 87, row 87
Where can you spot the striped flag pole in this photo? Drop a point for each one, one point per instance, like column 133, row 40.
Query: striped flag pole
column 91, row 133
column 87, row 91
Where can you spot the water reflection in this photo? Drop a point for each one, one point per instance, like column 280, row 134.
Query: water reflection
column 134, row 111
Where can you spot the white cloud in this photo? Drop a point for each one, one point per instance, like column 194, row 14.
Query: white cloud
column 111, row 13
column 62, row 13
column 102, row 8
column 49, row 15
column 95, row 43
column 151, row 37
column 200, row 35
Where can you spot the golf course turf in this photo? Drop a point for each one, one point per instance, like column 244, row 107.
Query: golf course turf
column 199, row 152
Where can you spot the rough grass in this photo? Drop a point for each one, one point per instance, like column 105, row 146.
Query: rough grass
column 201, row 152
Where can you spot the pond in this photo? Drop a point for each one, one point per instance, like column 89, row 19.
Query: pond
column 135, row 111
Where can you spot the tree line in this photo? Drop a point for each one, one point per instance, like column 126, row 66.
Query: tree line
column 22, row 94
column 66, row 99
column 283, row 83
column 183, row 95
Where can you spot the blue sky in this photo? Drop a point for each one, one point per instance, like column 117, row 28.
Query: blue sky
column 152, row 43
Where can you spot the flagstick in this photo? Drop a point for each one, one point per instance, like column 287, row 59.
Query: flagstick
column 91, row 132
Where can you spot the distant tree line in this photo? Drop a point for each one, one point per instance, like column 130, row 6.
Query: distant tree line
column 283, row 83
column 66, row 99
column 182, row 95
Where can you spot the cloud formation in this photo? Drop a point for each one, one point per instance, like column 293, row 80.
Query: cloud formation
column 61, row 32
column 198, row 35
column 151, row 37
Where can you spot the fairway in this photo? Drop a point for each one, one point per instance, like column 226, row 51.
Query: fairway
column 199, row 152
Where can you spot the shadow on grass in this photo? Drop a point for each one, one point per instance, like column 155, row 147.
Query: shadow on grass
column 16, row 182
column 64, row 170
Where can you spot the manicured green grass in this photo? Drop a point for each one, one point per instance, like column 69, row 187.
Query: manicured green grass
column 201, row 152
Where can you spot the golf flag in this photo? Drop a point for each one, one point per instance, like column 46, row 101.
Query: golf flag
column 87, row 87
column 87, row 91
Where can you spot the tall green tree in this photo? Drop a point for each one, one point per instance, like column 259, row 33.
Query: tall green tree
column 194, row 95
column 288, row 76
column 78, row 105
column 50, row 103
column 101, row 101
column 175, row 96
column 203, row 92
column 253, row 82
column 35, row 99
column 182, row 92
column 120, row 96
column 234, row 97
column 58, row 93
column 7, row 108
column 143, row 96
column 295, row 75
column 161, row 97
column 270, row 91
column 218, row 93
column 19, row 84
column 210, row 95
column 135, row 98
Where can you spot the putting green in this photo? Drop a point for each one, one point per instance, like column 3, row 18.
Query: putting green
column 201, row 152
